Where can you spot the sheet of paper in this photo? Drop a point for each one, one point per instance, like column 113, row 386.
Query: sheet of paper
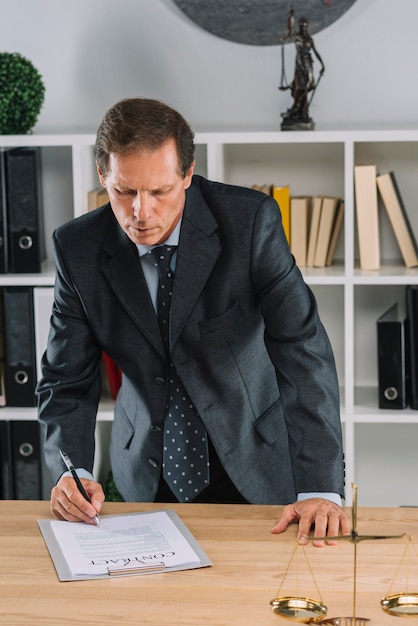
column 122, row 541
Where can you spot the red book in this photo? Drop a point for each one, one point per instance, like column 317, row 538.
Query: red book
column 114, row 375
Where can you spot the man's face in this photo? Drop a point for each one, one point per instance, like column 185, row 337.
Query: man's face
column 147, row 192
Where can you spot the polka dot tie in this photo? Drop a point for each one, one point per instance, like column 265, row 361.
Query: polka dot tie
column 185, row 455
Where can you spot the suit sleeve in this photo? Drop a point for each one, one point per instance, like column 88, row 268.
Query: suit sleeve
column 70, row 387
column 300, row 350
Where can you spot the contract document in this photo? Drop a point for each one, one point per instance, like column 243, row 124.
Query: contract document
column 135, row 543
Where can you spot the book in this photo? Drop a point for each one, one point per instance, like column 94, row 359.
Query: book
column 26, row 459
column 43, row 298
column 336, row 230
column 4, row 264
column 113, row 375
column 393, row 203
column 367, row 216
column 282, row 197
column 326, row 223
column 20, row 346
column 3, row 396
column 123, row 545
column 25, row 241
column 300, row 213
column 411, row 305
column 391, row 360
column 96, row 198
column 6, row 469
column 22, row 245
column 313, row 230
column 267, row 189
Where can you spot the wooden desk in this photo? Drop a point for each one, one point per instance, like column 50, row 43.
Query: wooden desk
column 248, row 568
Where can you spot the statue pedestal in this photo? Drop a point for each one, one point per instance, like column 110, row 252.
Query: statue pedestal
column 289, row 123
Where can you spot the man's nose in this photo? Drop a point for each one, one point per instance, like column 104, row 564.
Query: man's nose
column 142, row 207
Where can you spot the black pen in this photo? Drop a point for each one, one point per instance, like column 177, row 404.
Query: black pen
column 81, row 489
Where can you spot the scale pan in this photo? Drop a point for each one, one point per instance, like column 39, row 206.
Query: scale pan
column 299, row 609
column 401, row 604
column 345, row 621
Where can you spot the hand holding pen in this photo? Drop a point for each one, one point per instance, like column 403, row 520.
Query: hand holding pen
column 80, row 487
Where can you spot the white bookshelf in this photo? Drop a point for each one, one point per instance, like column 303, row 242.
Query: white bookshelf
column 379, row 445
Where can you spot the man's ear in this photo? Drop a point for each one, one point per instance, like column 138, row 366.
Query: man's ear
column 189, row 176
column 101, row 175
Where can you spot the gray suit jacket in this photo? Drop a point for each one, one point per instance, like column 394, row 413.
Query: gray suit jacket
column 245, row 338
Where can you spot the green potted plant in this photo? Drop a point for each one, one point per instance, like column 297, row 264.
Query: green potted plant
column 22, row 93
column 111, row 491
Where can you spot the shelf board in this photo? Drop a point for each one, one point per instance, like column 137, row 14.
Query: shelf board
column 366, row 410
column 104, row 414
column 106, row 410
column 332, row 275
column 47, row 139
column 389, row 274
column 18, row 413
column 319, row 136
column 46, row 278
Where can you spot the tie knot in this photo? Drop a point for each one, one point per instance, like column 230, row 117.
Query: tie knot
column 162, row 258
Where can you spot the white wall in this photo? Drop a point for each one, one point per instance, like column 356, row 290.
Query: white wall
column 92, row 53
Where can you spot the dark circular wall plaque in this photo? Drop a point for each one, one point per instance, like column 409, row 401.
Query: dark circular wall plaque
column 260, row 22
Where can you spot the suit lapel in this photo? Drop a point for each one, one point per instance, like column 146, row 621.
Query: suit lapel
column 198, row 251
column 123, row 271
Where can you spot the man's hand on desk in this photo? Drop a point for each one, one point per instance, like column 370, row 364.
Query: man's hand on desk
column 67, row 503
column 327, row 518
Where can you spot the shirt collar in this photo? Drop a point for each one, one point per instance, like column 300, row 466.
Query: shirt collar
column 172, row 240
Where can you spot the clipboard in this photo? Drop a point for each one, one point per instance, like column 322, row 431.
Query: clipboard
column 65, row 573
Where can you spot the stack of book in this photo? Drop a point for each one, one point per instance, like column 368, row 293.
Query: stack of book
column 312, row 224
column 367, row 185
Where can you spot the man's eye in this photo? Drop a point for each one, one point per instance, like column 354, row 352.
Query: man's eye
column 128, row 192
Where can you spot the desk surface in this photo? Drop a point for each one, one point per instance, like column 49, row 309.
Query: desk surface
column 248, row 569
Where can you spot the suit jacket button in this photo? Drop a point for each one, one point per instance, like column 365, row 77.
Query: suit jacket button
column 153, row 462
column 159, row 380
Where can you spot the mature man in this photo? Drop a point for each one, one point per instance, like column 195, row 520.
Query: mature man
column 229, row 396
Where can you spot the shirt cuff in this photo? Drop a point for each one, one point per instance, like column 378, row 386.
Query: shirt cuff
column 334, row 497
column 82, row 473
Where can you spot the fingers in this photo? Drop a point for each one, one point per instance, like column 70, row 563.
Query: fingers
column 67, row 503
column 326, row 518
column 289, row 514
column 325, row 522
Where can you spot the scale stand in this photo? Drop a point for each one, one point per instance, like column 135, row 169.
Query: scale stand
column 308, row 610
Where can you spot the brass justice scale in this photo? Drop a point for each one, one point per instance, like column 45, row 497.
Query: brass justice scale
column 309, row 610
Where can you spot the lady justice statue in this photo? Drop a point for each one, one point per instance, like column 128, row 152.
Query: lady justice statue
column 303, row 85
